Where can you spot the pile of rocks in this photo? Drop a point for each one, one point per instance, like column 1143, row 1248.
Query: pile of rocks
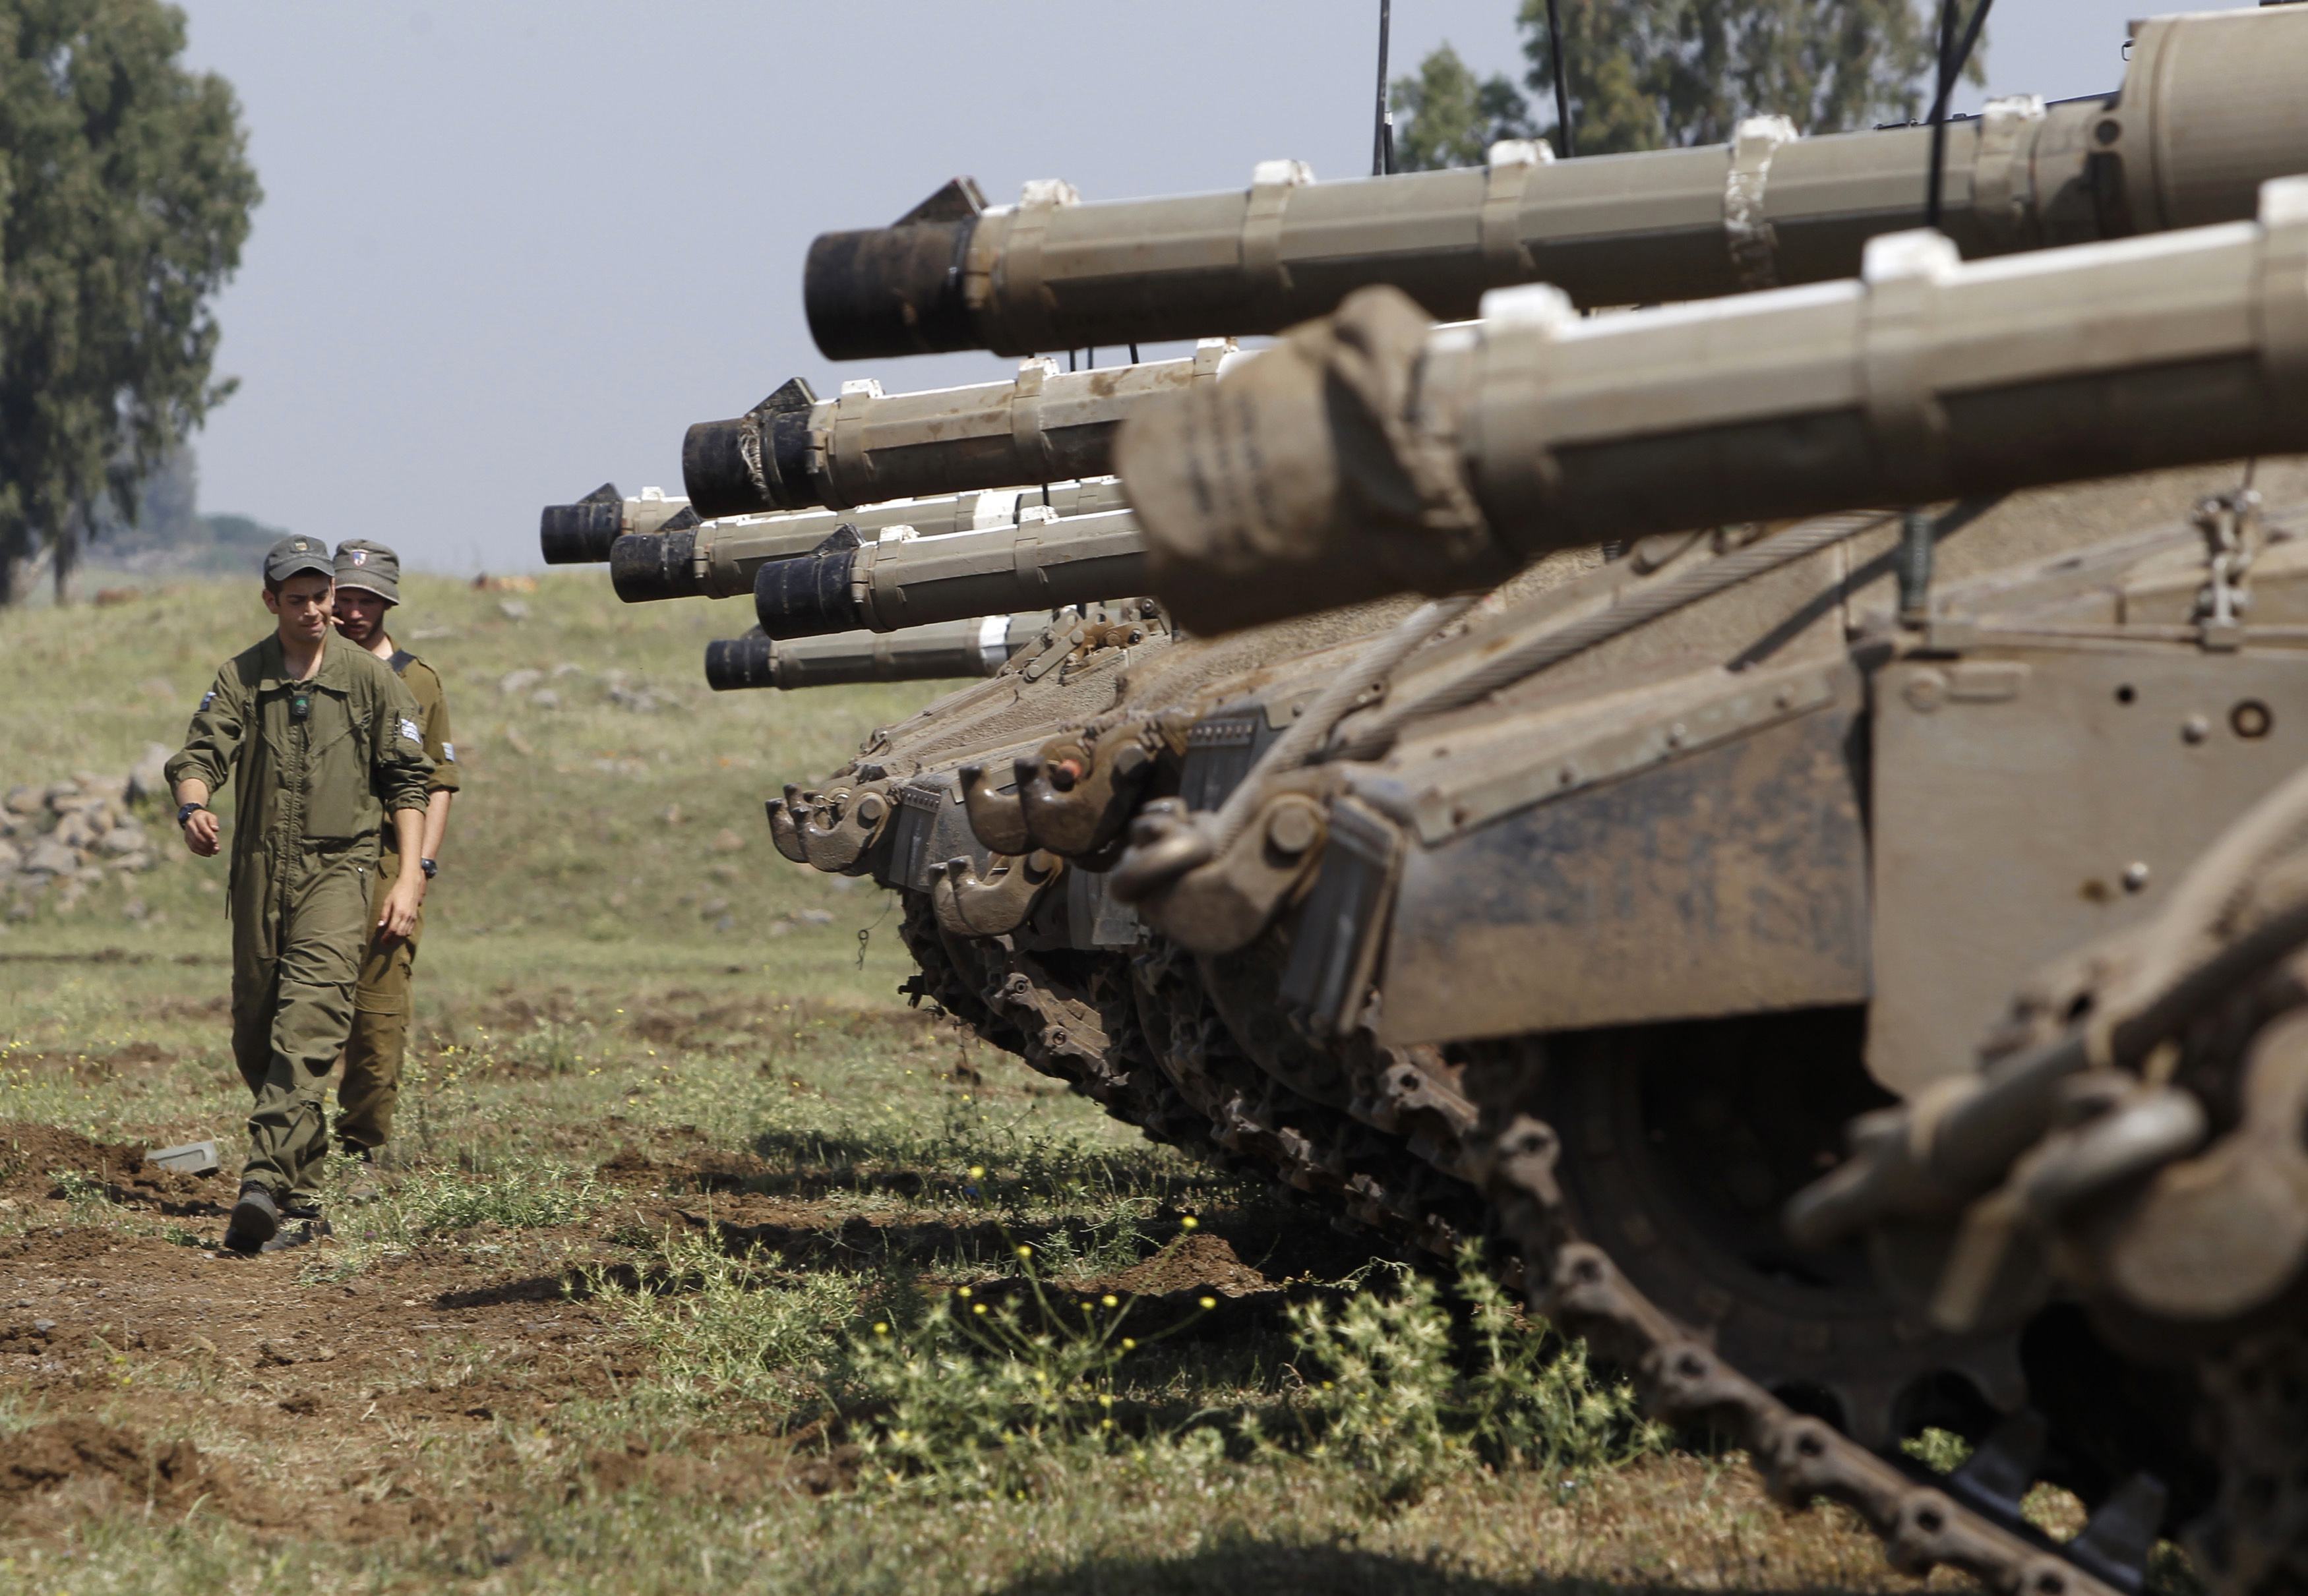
column 59, row 840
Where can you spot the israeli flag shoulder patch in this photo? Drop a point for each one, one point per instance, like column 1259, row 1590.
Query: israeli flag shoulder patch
column 448, row 753
column 408, row 730
column 207, row 698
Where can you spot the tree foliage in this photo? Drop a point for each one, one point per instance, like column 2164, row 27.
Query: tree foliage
column 124, row 198
column 1454, row 117
column 1646, row 74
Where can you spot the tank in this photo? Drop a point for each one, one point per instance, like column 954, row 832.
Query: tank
column 2208, row 108
column 978, row 647
column 1579, row 906
column 1583, row 912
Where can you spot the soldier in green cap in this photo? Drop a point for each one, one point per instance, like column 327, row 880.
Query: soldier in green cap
column 323, row 741
column 368, row 585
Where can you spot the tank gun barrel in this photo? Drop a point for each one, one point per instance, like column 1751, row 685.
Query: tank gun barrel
column 1371, row 452
column 2210, row 108
column 718, row 559
column 975, row 646
column 794, row 451
column 580, row 533
column 901, row 581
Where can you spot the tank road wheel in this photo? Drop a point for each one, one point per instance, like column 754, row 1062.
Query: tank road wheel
column 1680, row 1145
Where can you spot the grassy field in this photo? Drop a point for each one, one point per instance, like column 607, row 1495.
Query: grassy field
column 703, row 1263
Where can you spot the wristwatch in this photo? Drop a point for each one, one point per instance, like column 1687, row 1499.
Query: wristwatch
column 431, row 868
column 185, row 811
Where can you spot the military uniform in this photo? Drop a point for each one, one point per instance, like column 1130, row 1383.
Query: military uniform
column 382, row 1005
column 320, row 764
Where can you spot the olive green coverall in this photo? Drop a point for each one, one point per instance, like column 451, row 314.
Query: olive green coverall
column 382, row 1006
column 321, row 763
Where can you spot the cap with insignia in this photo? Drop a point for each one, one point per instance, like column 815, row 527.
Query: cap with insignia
column 297, row 557
column 370, row 566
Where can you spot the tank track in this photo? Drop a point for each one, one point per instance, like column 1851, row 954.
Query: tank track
column 1412, row 1158
column 2256, row 1541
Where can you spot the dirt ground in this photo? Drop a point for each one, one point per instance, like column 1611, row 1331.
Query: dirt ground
column 417, row 1410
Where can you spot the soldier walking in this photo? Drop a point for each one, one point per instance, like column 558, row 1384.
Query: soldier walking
column 324, row 742
column 368, row 585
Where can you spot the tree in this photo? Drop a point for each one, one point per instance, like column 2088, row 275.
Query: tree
column 1454, row 119
column 124, row 198
column 1644, row 75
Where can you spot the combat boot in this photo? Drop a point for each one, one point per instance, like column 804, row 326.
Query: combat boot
column 255, row 1220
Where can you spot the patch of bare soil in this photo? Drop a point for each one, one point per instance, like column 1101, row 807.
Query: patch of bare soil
column 31, row 1157
column 312, row 1396
column 71, row 1467
column 707, row 1169
column 215, row 1007
column 324, row 1383
column 137, row 1056
column 732, row 1469
column 1197, row 1262
column 683, row 1019
column 30, row 1154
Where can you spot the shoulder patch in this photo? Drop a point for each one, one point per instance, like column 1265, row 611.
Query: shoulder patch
column 207, row 698
column 448, row 753
column 408, row 730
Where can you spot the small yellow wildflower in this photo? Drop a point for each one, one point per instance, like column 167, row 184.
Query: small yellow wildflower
column 1208, row 1303
column 1129, row 1344
column 977, row 1307
column 1111, row 1301
column 977, row 1171
column 1025, row 1251
column 881, row 1327
column 1189, row 1222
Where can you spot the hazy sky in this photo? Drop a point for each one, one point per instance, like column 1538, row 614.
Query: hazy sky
column 509, row 252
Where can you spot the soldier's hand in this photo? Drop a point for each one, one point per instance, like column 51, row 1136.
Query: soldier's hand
column 201, row 833
column 400, row 916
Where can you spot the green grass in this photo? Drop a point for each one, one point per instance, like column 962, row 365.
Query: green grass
column 600, row 826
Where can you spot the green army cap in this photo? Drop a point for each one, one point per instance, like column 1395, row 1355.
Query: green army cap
column 295, row 556
column 369, row 566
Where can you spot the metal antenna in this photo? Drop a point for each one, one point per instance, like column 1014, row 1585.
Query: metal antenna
column 1382, row 128
column 1952, row 55
column 1562, row 82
